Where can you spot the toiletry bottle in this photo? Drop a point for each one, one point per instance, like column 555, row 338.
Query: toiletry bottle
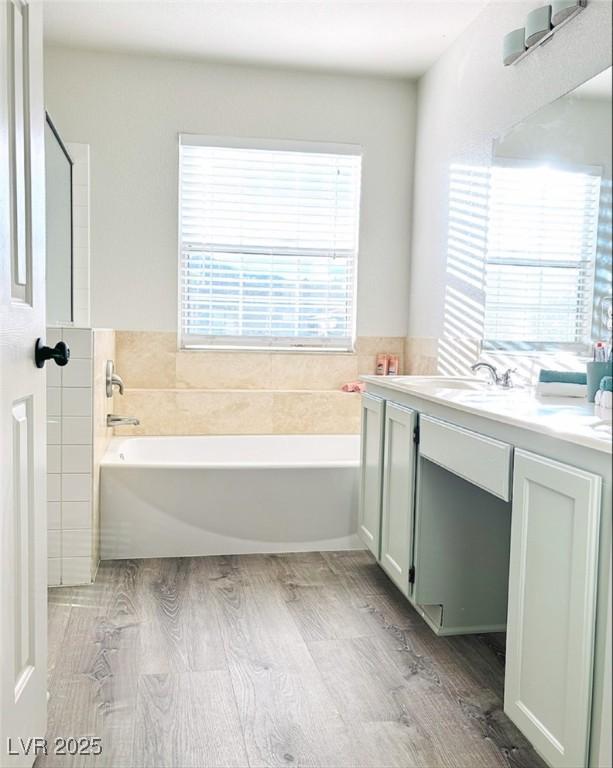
column 381, row 366
column 393, row 363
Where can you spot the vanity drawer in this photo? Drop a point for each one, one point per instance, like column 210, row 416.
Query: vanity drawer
column 478, row 459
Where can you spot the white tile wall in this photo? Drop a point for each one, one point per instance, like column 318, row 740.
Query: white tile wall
column 54, row 431
column 76, row 514
column 79, row 341
column 54, row 515
column 76, row 570
column 78, row 373
column 54, row 401
column 54, row 543
column 76, row 458
column 69, row 460
column 76, row 487
column 54, row 487
column 54, row 458
column 76, row 401
column 54, row 375
column 53, row 336
column 77, row 541
column 76, row 430
column 54, row 571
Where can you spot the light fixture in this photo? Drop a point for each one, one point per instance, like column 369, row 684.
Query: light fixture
column 541, row 25
column 538, row 25
column 513, row 45
column 562, row 9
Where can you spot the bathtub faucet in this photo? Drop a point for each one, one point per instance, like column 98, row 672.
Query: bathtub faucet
column 112, row 420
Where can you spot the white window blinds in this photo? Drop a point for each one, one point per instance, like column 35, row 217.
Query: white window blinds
column 542, row 240
column 268, row 244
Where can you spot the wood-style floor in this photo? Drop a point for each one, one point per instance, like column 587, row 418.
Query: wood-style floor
column 269, row 660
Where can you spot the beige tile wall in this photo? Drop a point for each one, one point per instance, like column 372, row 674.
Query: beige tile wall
column 235, row 392
column 421, row 356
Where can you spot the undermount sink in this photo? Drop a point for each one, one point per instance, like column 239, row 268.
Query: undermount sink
column 444, row 382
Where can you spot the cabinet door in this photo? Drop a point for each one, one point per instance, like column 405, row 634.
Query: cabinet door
column 552, row 591
column 373, row 413
column 398, row 494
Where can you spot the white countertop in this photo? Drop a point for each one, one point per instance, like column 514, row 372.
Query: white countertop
column 566, row 418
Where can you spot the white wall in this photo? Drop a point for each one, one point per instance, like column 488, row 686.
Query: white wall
column 466, row 100
column 129, row 109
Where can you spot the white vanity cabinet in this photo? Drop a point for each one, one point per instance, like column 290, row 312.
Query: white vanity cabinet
column 487, row 525
column 552, row 603
column 399, row 458
column 371, row 485
column 387, row 486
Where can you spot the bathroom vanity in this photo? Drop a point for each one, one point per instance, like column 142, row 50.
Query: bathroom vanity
column 490, row 510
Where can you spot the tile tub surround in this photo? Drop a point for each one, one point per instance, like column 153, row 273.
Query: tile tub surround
column 76, row 439
column 420, row 356
column 203, row 392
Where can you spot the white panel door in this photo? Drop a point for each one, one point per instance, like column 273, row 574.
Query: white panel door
column 23, row 560
column 552, row 596
column 398, row 494
column 373, row 414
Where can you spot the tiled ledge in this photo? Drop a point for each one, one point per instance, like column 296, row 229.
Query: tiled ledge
column 238, row 411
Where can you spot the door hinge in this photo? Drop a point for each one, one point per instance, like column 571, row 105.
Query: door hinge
column 412, row 575
column 416, row 435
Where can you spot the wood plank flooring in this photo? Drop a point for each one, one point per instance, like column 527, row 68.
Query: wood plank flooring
column 269, row 660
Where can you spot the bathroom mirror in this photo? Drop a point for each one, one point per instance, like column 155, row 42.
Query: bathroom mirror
column 58, row 186
column 548, row 262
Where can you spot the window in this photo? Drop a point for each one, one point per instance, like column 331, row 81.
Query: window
column 542, row 240
column 268, row 243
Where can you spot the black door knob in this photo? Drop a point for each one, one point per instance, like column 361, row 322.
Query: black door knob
column 60, row 353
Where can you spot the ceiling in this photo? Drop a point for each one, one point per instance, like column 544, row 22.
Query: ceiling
column 401, row 38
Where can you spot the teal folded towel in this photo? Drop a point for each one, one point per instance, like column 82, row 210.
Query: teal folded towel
column 606, row 384
column 562, row 377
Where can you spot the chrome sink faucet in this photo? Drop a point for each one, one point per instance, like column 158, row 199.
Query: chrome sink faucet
column 505, row 381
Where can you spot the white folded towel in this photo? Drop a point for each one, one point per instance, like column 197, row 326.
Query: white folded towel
column 604, row 399
column 560, row 389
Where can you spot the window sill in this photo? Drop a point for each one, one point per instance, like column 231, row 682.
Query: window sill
column 267, row 350
column 494, row 348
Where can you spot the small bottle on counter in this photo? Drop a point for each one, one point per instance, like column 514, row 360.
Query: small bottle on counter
column 393, row 364
column 381, row 367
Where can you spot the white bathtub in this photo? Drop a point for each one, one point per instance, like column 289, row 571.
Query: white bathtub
column 219, row 495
